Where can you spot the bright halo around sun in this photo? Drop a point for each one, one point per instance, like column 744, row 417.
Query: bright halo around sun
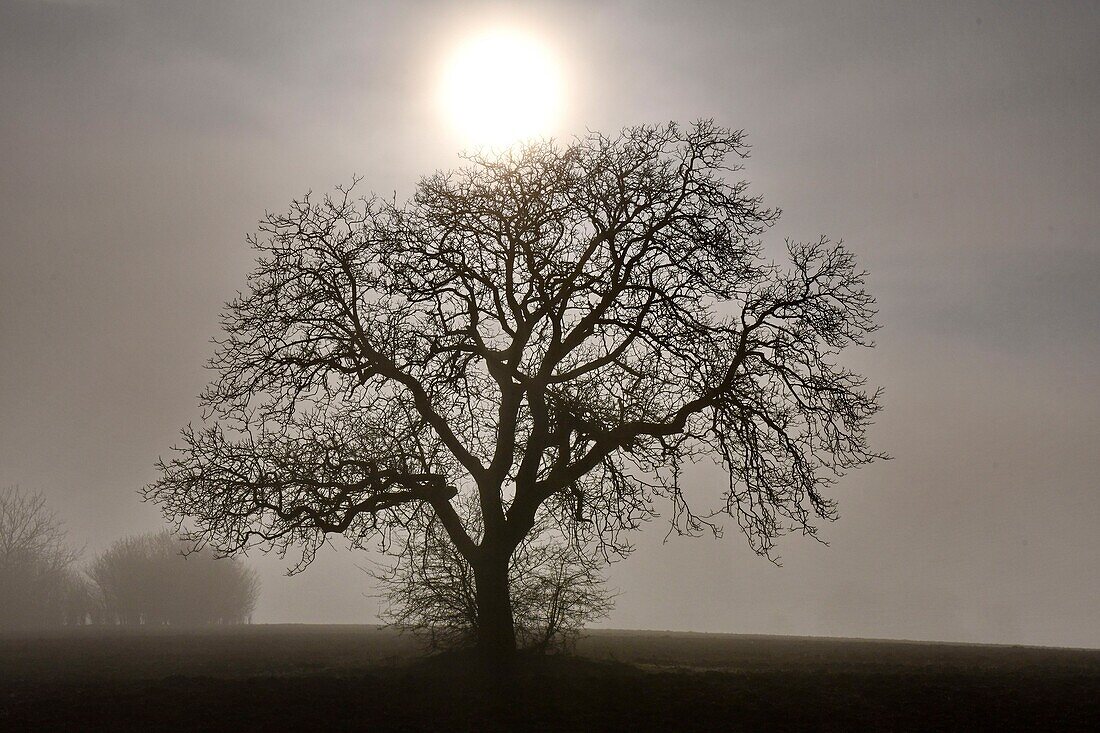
column 501, row 87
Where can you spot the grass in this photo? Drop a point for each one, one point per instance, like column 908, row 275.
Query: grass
column 340, row 677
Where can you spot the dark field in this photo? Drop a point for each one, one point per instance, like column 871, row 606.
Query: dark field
column 343, row 677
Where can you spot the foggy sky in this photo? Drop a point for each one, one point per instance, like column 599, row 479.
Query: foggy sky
column 952, row 145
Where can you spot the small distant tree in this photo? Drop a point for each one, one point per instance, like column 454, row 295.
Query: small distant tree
column 558, row 329
column 150, row 579
column 131, row 579
column 36, row 577
column 556, row 589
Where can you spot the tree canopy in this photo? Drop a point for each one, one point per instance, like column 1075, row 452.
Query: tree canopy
column 555, row 330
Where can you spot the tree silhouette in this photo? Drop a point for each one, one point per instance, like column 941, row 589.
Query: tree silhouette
column 554, row 330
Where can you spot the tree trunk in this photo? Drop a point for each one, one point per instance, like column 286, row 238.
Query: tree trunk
column 496, row 635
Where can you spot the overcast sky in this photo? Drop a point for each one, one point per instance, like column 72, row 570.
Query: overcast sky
column 952, row 145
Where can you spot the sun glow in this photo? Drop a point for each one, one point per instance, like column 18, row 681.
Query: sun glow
column 501, row 87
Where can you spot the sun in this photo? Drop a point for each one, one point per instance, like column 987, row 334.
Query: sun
column 501, row 87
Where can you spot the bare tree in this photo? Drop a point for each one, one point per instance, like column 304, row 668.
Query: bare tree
column 558, row 329
column 35, row 561
column 152, row 579
column 556, row 588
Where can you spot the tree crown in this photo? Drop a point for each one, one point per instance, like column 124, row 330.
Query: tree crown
column 555, row 331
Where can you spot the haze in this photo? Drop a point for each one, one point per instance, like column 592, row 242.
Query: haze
column 952, row 145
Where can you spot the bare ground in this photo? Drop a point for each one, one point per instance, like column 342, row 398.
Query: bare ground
column 344, row 677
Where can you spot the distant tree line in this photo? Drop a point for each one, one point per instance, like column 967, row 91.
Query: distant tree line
column 143, row 579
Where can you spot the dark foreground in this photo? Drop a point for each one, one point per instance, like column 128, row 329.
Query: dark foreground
column 332, row 677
